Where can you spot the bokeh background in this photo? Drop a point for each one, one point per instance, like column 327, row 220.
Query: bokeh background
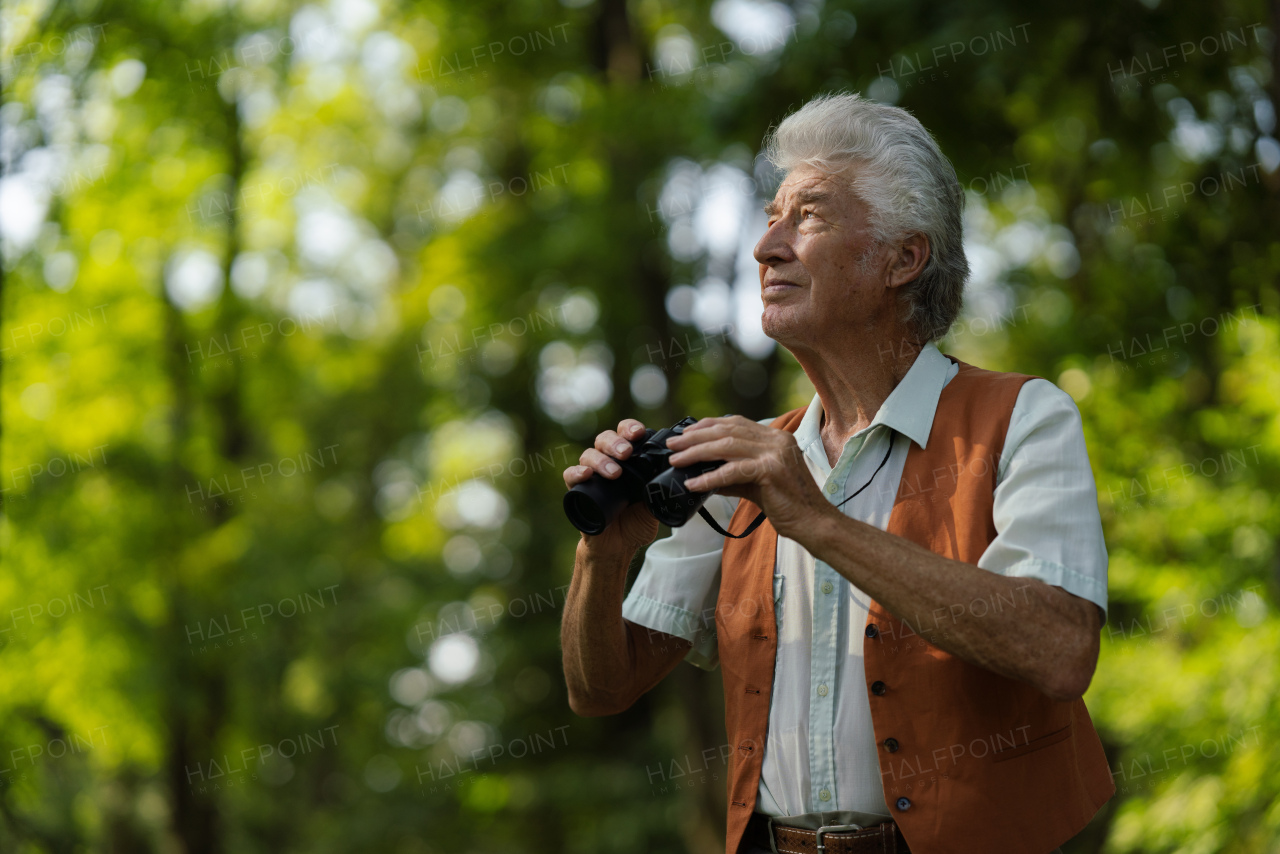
column 307, row 305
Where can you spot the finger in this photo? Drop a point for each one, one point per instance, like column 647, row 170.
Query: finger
column 712, row 428
column 629, row 428
column 614, row 445
column 575, row 475
column 692, row 437
column 703, row 423
column 717, row 448
column 602, row 464
column 606, row 442
column 729, row 474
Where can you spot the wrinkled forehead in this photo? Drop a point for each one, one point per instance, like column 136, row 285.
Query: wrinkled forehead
column 812, row 184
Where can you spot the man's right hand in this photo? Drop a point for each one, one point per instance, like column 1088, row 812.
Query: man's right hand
column 635, row 527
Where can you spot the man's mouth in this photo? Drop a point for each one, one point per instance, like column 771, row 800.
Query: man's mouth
column 778, row 286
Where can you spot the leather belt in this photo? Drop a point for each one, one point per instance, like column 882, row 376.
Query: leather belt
column 883, row 838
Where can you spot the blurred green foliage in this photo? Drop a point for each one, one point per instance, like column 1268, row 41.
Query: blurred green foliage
column 307, row 306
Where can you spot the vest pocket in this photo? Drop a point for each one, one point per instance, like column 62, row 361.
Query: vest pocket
column 1034, row 745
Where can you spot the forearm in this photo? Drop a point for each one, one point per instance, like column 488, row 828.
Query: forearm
column 593, row 635
column 609, row 662
column 1017, row 627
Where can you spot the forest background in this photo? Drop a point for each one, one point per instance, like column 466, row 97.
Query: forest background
column 306, row 307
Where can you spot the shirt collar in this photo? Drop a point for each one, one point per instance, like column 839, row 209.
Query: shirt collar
column 909, row 408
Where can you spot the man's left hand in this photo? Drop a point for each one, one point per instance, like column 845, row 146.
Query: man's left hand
column 761, row 464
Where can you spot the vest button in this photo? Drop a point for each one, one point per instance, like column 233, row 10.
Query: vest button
column 891, row 744
column 904, row 804
column 878, row 688
column 873, row 631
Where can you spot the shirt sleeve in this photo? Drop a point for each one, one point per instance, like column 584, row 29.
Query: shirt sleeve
column 679, row 583
column 1046, row 502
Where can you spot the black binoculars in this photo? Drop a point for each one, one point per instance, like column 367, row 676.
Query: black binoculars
column 648, row 476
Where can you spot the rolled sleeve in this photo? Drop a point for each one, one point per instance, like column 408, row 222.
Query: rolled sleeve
column 1046, row 502
column 679, row 583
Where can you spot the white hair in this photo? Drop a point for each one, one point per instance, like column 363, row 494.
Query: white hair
column 904, row 179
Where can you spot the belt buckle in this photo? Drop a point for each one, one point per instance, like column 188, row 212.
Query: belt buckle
column 834, row 828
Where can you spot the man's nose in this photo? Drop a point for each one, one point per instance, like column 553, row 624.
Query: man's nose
column 774, row 246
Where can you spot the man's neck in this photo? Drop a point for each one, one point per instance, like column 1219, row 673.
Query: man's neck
column 853, row 384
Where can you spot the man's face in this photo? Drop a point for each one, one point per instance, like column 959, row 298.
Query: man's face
column 822, row 275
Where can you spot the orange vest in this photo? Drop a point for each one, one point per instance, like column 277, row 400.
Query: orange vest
column 971, row 761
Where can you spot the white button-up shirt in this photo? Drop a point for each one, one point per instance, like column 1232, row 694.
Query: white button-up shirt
column 820, row 753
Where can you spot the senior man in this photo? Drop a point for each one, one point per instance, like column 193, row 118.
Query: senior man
column 932, row 549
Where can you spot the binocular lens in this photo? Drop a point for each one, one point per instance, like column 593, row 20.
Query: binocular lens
column 593, row 504
column 584, row 513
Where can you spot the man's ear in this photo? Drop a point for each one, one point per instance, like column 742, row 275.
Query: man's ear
column 910, row 260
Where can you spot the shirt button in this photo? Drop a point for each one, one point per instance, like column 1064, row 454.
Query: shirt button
column 878, row 688
column 904, row 804
column 891, row 744
column 873, row 631
column 832, row 487
column 822, row 690
column 825, row 795
column 827, row 587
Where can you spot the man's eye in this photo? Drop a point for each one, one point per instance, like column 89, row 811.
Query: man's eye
column 807, row 214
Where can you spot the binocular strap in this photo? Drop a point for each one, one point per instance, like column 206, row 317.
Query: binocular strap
column 702, row 511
